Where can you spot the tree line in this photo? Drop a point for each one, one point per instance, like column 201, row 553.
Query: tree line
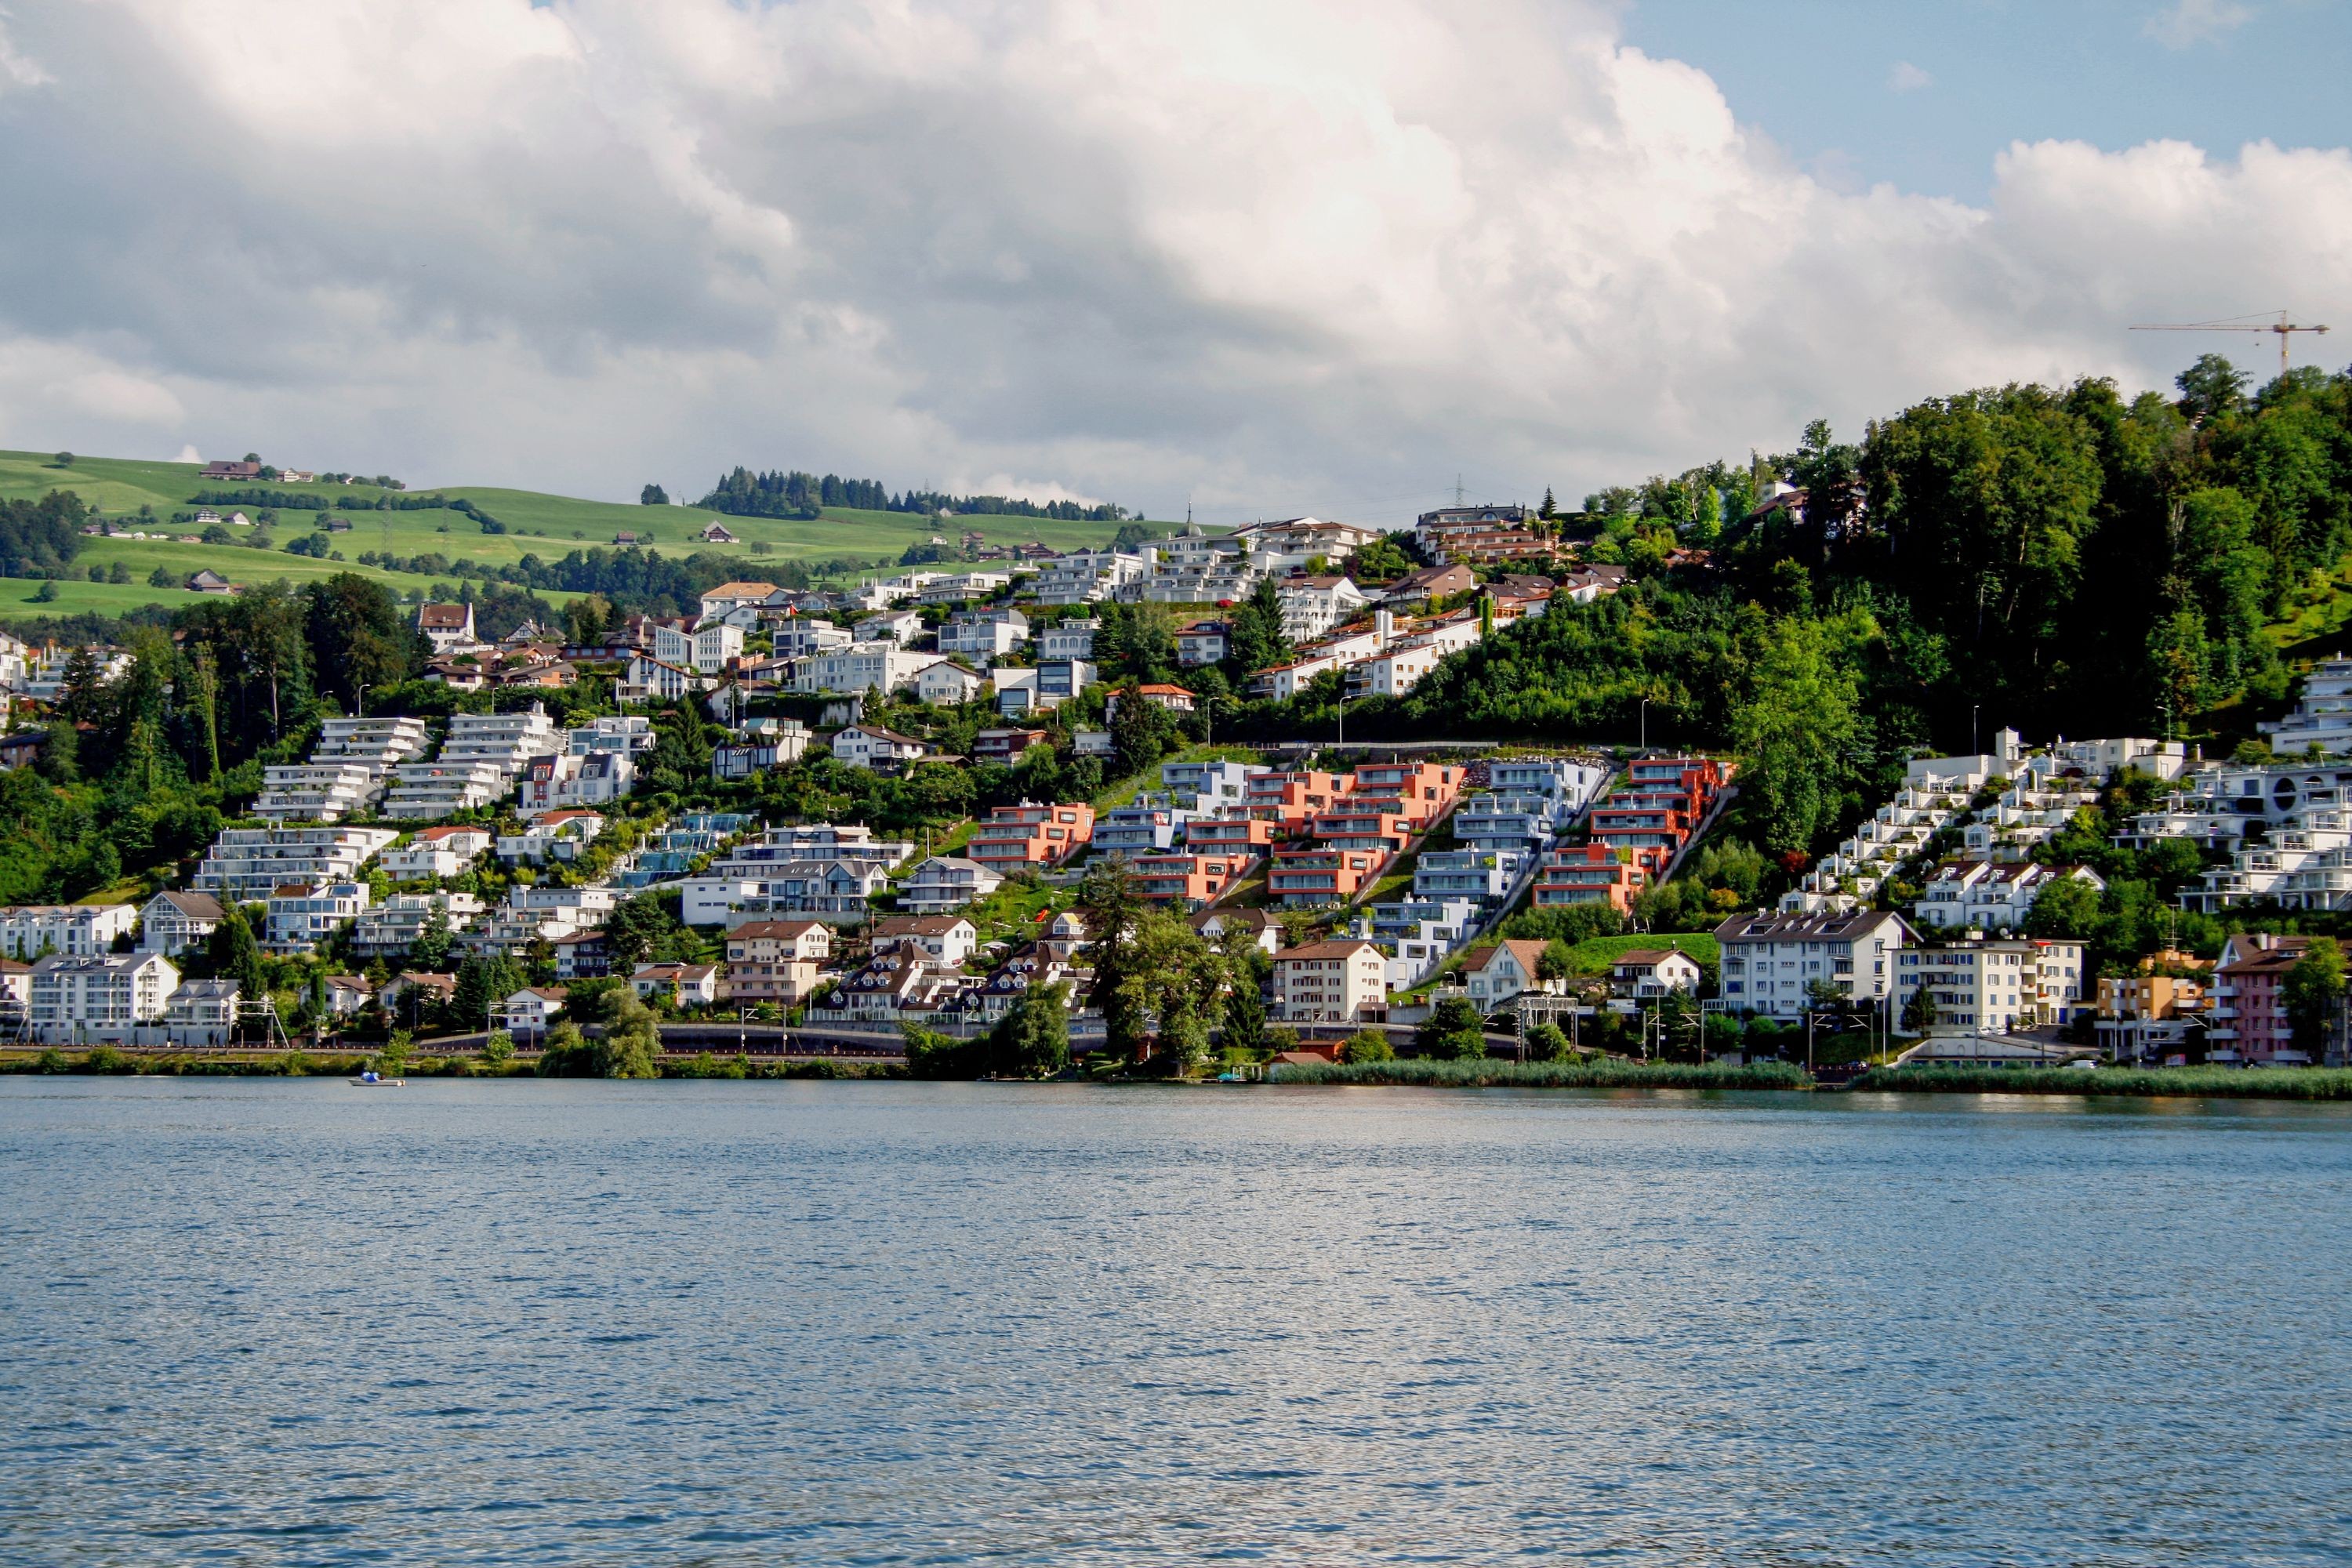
column 796, row 494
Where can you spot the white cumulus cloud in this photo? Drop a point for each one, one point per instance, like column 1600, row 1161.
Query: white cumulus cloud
column 1908, row 77
column 1273, row 257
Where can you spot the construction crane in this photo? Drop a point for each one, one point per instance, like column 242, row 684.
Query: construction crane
column 2283, row 327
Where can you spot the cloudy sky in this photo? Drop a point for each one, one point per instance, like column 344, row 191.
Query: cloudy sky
column 1267, row 255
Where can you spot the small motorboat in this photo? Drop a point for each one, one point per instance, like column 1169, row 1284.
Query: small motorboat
column 374, row 1079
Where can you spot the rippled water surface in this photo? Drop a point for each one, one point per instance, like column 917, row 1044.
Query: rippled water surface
column 271, row 1322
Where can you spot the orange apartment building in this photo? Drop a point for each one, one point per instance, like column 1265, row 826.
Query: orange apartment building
column 1291, row 801
column 1588, row 874
column 1423, row 791
column 1032, row 835
column 1348, row 827
column 1189, row 881
column 1307, row 875
column 1228, row 834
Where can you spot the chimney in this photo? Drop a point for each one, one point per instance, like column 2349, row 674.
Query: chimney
column 1384, row 627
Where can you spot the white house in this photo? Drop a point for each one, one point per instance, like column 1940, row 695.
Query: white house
column 950, row 939
column 570, row 782
column 174, row 923
column 706, row 649
column 437, row 852
column 882, row 667
column 871, row 746
column 448, row 627
column 682, row 984
column 1499, row 975
column 1647, row 973
column 202, row 1013
column 1992, row 895
column 724, row 600
column 557, row 835
column 532, row 1011
column 900, row 626
column 652, row 679
column 946, row 683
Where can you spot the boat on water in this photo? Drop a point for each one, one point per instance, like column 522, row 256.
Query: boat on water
column 373, row 1079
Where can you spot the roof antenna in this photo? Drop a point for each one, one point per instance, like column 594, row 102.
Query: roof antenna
column 1457, row 489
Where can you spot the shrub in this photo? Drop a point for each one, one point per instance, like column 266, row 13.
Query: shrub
column 1548, row 1043
column 1602, row 1073
column 1368, row 1046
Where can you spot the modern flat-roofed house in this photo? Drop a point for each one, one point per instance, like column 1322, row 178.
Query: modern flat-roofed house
column 76, row 930
column 946, row 882
column 172, row 922
column 437, row 852
column 1032, row 835
column 1588, row 874
column 1189, row 880
column 1331, row 982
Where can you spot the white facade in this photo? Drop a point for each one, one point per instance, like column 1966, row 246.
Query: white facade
column 302, row 917
column 944, row 684
column 900, row 626
column 1313, row 605
column 946, row 882
column 393, row 926
column 705, row 650
column 437, row 852
column 170, row 923
column 569, row 782
column 880, row 666
column 246, row 864
column 72, row 930
column 1991, row 895
column 1771, row 962
column 1994, row 986
column 871, row 746
column 86, row 1001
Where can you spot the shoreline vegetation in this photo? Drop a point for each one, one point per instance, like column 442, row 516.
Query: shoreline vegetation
column 2293, row 1084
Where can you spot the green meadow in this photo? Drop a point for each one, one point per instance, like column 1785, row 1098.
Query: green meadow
column 548, row 526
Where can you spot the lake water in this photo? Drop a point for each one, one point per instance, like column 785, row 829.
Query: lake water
column 277, row 1321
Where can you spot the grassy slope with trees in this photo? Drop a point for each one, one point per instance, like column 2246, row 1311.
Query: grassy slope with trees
column 535, row 524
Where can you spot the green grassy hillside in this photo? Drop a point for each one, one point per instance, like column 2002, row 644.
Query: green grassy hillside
column 548, row 526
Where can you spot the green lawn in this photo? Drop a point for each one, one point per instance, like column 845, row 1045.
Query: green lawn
column 548, row 526
column 1596, row 954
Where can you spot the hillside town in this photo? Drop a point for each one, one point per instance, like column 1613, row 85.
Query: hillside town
column 480, row 869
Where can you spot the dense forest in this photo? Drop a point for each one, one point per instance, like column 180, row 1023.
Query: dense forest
column 743, row 493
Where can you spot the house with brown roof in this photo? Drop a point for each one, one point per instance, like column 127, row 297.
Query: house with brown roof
column 1331, row 982
column 448, row 627
column 680, row 985
column 1499, row 975
column 950, row 939
column 775, row 960
column 1430, row 583
column 1648, row 973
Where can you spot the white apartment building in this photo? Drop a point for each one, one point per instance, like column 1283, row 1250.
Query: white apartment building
column 437, row 852
column 478, row 763
column 879, row 666
column 1313, row 605
column 816, row 841
column 101, row 999
column 835, row 891
column 798, row 636
column 304, row 916
column 983, row 637
column 946, row 882
column 316, row 791
column 705, row 650
column 944, row 683
column 1771, row 962
column 629, row 732
column 71, row 931
column 1992, row 895
column 556, row 836
column 391, row 928
column 572, row 782
column 1088, row 576
column 1330, row 983
column 170, row 923
column 883, row 593
column 247, row 864
column 958, row 586
column 546, row 914
column 1068, row 639
column 1210, row 786
column 1992, row 986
